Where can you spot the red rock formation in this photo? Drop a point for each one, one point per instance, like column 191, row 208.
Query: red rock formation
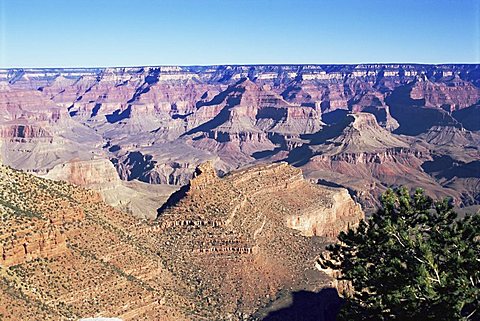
column 96, row 174
column 175, row 118
column 241, row 235
column 64, row 250
column 41, row 236
column 24, row 246
column 228, row 239
column 24, row 132
column 450, row 95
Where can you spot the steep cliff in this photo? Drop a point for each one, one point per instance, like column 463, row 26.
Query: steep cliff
column 359, row 154
column 137, row 198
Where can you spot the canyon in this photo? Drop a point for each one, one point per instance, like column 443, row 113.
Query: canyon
column 209, row 192
column 221, row 248
column 144, row 130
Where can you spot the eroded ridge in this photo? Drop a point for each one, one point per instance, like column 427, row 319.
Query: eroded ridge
column 35, row 229
column 228, row 247
column 248, row 235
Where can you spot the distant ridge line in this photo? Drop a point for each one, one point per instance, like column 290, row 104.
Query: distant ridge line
column 199, row 66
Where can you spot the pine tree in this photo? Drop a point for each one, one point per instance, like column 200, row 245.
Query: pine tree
column 411, row 260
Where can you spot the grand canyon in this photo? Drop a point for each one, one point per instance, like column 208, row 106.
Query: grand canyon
column 209, row 192
column 342, row 125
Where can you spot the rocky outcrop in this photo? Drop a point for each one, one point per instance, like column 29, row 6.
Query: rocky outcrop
column 387, row 156
column 32, row 230
column 451, row 95
column 144, row 168
column 26, row 246
column 136, row 198
column 359, row 154
column 340, row 215
column 243, row 236
column 67, row 255
column 97, row 174
column 18, row 132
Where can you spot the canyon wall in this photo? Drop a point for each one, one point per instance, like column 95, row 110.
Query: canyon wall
column 156, row 124
column 251, row 231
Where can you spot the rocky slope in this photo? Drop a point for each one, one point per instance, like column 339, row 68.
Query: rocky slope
column 247, row 237
column 67, row 255
column 359, row 154
column 137, row 198
column 222, row 248
column 156, row 124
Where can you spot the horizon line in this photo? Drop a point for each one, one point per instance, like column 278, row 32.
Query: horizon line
column 249, row 64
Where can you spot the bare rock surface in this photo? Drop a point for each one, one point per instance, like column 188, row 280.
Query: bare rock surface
column 251, row 235
column 156, row 124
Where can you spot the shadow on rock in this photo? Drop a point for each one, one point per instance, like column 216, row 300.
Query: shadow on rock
column 310, row 306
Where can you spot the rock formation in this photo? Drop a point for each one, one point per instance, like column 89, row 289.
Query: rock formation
column 359, row 154
column 222, row 248
column 67, row 255
column 156, row 124
column 247, row 236
column 137, row 198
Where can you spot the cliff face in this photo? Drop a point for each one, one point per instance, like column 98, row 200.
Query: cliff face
column 24, row 132
column 34, row 229
column 156, row 124
column 359, row 154
column 341, row 214
column 138, row 199
column 95, row 174
column 24, row 245
column 451, row 95
column 319, row 211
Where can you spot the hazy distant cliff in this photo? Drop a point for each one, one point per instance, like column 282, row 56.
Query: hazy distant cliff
column 156, row 124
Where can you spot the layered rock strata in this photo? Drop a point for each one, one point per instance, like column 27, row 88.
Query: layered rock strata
column 156, row 124
column 244, row 238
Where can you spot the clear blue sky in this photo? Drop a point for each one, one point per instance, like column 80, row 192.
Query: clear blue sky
column 80, row 33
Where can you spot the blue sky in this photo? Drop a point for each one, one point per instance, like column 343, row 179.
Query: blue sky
column 81, row 33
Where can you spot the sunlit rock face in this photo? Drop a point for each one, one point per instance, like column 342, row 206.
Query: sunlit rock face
column 66, row 255
column 156, row 124
column 287, row 154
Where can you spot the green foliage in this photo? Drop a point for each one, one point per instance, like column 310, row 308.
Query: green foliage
column 412, row 260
